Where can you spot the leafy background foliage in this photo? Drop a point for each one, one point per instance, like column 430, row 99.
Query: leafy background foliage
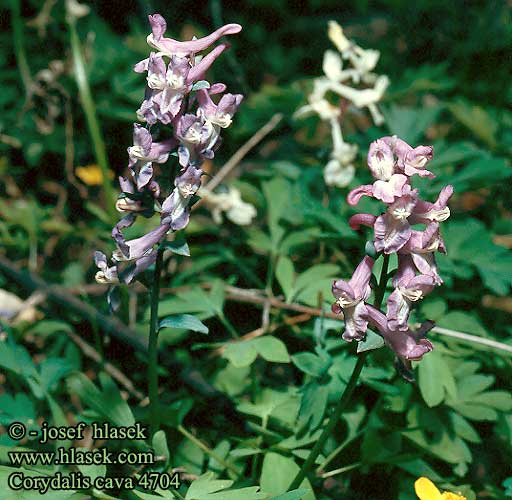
column 257, row 405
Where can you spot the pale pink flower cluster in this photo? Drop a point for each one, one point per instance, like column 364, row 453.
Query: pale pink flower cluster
column 392, row 163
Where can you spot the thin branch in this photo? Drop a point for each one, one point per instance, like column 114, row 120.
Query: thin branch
column 241, row 152
column 116, row 374
column 61, row 297
column 472, row 338
column 257, row 297
column 207, row 449
column 341, row 470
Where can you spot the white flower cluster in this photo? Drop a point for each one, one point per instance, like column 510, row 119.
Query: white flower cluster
column 237, row 211
column 339, row 171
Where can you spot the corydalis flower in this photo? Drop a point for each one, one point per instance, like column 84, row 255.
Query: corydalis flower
column 421, row 247
column 230, row 202
column 350, row 299
column 106, row 273
column 344, row 82
column 218, row 114
column 408, row 345
column 169, row 83
column 175, row 208
column 144, row 153
column 392, row 162
column 196, row 125
column 409, row 288
column 197, row 138
column 170, row 47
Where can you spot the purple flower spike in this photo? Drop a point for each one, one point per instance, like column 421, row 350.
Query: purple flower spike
column 195, row 128
column 169, row 47
column 350, row 297
column 392, row 163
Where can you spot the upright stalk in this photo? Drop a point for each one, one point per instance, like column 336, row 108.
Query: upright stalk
column 347, row 393
column 93, row 125
column 154, row 419
column 19, row 49
column 383, row 280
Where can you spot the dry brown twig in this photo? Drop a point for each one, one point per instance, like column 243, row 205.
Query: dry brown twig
column 239, row 155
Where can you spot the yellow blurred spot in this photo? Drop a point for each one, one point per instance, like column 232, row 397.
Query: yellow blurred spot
column 91, row 175
column 426, row 490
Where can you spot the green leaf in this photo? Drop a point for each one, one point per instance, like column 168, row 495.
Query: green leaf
column 476, row 119
column 271, row 349
column 6, row 493
column 244, row 353
column 92, row 471
column 107, row 402
column 313, row 405
column 315, row 274
column 159, row 444
column 207, row 488
column 48, row 327
column 371, row 341
column 186, row 321
column 464, row 429
column 292, row 495
column 240, row 354
column 177, row 247
column 200, row 84
column 277, row 474
column 435, row 379
column 410, row 123
column 499, row 400
column 311, row 364
column 285, row 275
column 16, row 358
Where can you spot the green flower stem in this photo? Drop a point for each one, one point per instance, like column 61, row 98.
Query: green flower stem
column 337, row 451
column 347, row 393
column 341, row 470
column 154, row 406
column 17, row 34
column 331, row 424
column 207, row 450
column 229, row 327
column 93, row 125
column 381, row 288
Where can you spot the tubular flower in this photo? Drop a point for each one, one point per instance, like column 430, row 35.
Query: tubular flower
column 392, row 163
column 409, row 288
column 195, row 126
column 350, row 297
column 408, row 345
